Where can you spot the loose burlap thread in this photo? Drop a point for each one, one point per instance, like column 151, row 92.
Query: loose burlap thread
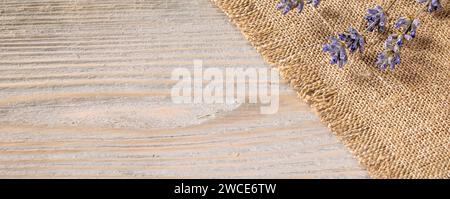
column 397, row 123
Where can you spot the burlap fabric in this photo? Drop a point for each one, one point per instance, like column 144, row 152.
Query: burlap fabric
column 396, row 123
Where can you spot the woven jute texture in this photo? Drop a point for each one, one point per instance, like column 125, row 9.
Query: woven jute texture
column 397, row 123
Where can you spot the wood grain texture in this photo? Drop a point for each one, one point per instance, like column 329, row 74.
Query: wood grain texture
column 85, row 93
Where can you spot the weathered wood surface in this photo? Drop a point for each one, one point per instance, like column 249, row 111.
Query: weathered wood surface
column 85, row 92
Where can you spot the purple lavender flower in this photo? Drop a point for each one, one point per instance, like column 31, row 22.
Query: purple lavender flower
column 353, row 40
column 433, row 5
column 288, row 5
column 391, row 54
column 407, row 27
column 376, row 19
column 315, row 3
column 337, row 52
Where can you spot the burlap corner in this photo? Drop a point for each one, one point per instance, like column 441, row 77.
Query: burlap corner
column 396, row 123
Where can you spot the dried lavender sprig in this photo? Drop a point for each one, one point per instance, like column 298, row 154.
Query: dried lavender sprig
column 433, row 5
column 287, row 5
column 391, row 55
column 350, row 39
column 353, row 40
column 337, row 51
column 407, row 27
column 376, row 19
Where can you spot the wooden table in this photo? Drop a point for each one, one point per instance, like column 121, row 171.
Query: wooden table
column 85, row 93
